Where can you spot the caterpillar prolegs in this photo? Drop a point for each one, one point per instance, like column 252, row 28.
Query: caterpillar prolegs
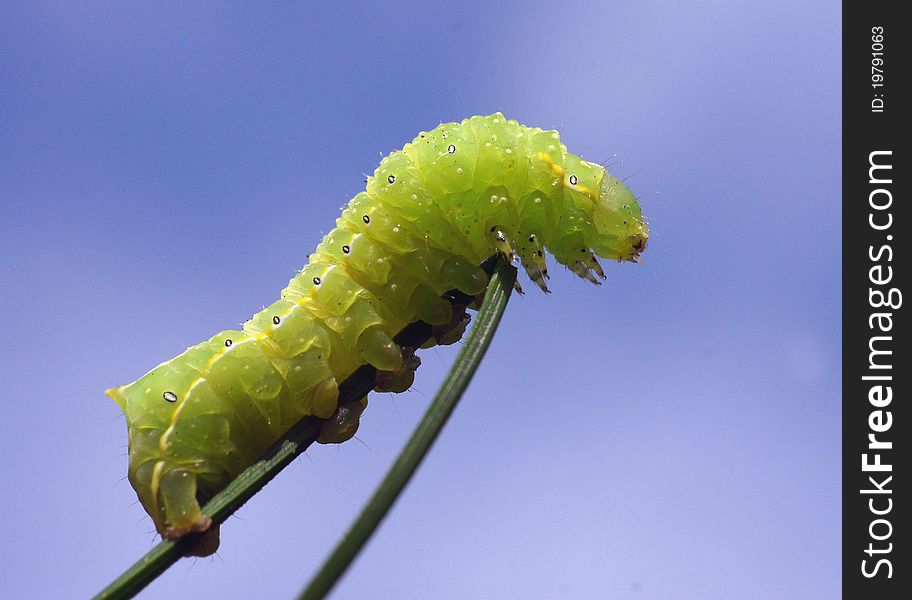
column 431, row 214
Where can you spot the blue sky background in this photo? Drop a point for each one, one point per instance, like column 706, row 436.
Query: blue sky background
column 674, row 433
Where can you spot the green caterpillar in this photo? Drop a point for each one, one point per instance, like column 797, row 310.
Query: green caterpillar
column 432, row 213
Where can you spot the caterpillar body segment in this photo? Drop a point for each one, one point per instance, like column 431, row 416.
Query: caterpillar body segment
column 431, row 214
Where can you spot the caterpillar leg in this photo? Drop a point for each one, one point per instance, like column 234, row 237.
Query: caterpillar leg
column 596, row 266
column 177, row 494
column 402, row 379
column 343, row 425
column 453, row 331
column 502, row 244
column 207, row 544
column 537, row 274
column 182, row 514
column 583, row 262
column 583, row 271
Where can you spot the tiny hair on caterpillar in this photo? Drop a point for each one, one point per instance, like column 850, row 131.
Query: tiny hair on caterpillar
column 408, row 248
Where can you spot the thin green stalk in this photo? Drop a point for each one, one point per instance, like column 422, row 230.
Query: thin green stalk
column 422, row 438
column 280, row 454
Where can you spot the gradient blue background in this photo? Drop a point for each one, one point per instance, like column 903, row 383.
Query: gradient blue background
column 673, row 433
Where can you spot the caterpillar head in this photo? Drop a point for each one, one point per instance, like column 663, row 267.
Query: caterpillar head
column 617, row 229
column 621, row 230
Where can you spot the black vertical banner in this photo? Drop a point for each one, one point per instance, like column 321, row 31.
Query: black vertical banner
column 876, row 372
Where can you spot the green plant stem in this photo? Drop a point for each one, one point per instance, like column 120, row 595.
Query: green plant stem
column 293, row 443
column 422, row 438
